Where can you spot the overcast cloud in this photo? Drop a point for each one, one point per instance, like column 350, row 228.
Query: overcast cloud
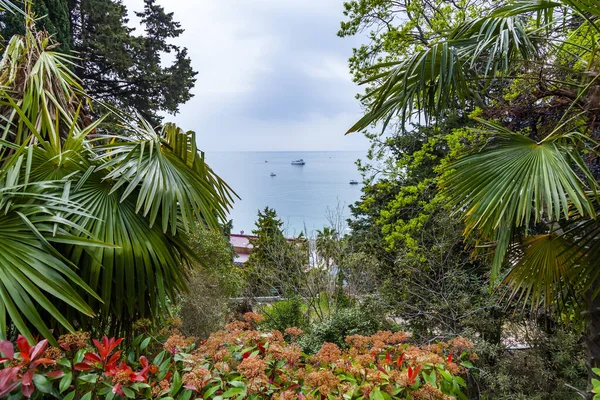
column 272, row 74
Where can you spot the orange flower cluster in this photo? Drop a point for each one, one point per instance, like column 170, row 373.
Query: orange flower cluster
column 237, row 326
column 430, row 392
column 74, row 341
column 196, row 379
column 175, row 343
column 378, row 340
column 269, row 365
column 329, row 353
column 252, row 368
column 294, row 332
column 53, row 353
column 240, row 361
column 460, row 344
column 323, row 380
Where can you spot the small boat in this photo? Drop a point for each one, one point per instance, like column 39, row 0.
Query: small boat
column 266, row 161
column 273, row 174
column 353, row 182
column 298, row 162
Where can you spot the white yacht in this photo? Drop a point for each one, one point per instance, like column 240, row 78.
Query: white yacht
column 298, row 162
column 273, row 174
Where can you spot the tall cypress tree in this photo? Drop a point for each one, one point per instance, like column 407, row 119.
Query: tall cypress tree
column 118, row 64
column 52, row 15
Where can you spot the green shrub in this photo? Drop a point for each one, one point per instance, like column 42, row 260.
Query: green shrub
column 204, row 308
column 365, row 319
column 547, row 371
column 284, row 314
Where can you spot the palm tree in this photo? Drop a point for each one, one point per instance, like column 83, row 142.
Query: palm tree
column 530, row 196
column 327, row 243
column 94, row 216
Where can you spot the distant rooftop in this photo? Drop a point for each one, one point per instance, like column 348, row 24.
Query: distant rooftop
column 242, row 246
column 240, row 240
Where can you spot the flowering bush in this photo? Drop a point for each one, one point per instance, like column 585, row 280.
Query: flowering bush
column 238, row 362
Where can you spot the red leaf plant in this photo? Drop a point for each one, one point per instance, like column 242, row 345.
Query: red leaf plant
column 412, row 375
column 124, row 374
column 21, row 368
column 104, row 359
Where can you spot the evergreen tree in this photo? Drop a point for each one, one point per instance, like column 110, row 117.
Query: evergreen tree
column 117, row 64
column 53, row 16
column 275, row 264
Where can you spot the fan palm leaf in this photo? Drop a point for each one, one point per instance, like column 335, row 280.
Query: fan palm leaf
column 167, row 176
column 34, row 275
column 439, row 79
column 546, row 272
column 144, row 269
column 515, row 181
column 560, row 267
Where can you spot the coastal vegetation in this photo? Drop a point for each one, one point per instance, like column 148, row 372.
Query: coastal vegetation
column 468, row 271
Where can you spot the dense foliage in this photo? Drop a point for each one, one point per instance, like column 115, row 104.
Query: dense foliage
column 480, row 189
column 205, row 307
column 117, row 64
column 94, row 220
column 442, row 79
column 236, row 362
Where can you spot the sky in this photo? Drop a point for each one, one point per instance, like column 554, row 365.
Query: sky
column 272, row 74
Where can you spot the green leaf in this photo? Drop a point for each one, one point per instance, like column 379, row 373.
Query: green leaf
column 89, row 378
column 185, row 395
column 233, row 392
column 65, row 362
column 128, row 392
column 430, row 378
column 177, row 383
column 211, row 390
column 145, row 343
column 159, row 357
column 42, row 383
column 70, row 396
column 65, row 382
column 376, row 395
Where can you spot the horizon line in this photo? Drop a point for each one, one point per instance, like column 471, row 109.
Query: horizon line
column 284, row 151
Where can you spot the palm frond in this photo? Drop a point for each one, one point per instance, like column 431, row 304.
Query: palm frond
column 435, row 81
column 547, row 272
column 513, row 182
column 167, row 176
column 427, row 81
column 42, row 90
column 34, row 275
column 144, row 269
column 496, row 41
column 6, row 5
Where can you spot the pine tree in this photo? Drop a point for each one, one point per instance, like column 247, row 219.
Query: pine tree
column 117, row 64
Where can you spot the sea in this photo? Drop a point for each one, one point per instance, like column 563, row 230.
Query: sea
column 306, row 198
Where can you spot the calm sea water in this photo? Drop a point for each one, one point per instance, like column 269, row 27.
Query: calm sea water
column 301, row 195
